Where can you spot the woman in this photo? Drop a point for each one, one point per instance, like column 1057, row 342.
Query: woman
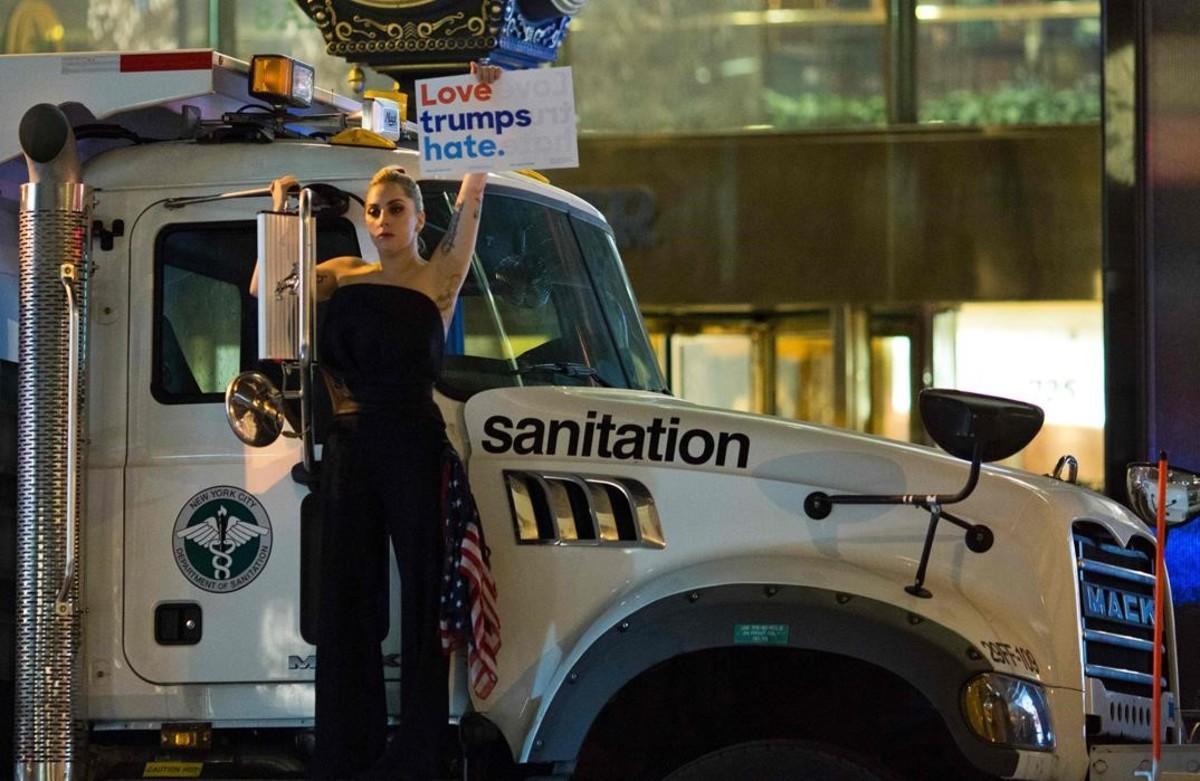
column 383, row 336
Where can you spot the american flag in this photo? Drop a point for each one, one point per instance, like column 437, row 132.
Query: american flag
column 468, row 611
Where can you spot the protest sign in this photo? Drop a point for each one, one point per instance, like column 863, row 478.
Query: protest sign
column 526, row 119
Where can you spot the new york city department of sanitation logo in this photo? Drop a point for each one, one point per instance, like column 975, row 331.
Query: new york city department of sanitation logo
column 222, row 539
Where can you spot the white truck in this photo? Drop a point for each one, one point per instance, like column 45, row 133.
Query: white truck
column 682, row 592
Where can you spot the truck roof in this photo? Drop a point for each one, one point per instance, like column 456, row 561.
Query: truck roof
column 107, row 84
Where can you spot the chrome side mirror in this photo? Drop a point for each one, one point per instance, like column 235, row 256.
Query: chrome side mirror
column 254, row 408
column 1183, row 493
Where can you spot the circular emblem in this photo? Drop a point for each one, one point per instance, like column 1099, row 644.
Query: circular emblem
column 222, row 539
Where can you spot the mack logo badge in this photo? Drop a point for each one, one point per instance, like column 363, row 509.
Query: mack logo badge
column 222, row 539
column 302, row 662
column 310, row 662
column 1115, row 605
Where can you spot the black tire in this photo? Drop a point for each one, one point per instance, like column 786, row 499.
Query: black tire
column 776, row 760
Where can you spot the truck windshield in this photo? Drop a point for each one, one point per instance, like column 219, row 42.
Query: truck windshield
column 546, row 303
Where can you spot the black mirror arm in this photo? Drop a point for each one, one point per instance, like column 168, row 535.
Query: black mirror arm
column 972, row 479
column 819, row 504
column 979, row 538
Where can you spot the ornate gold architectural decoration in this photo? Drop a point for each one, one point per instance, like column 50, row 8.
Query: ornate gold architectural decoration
column 392, row 30
column 393, row 4
column 435, row 37
column 366, row 35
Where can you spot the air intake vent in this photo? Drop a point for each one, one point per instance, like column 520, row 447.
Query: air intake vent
column 1116, row 606
column 569, row 509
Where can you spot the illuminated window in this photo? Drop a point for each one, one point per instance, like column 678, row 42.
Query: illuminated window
column 1050, row 354
column 997, row 62
column 721, row 65
column 804, row 366
column 714, row 369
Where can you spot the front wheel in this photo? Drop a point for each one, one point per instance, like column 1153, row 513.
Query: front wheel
column 776, row 760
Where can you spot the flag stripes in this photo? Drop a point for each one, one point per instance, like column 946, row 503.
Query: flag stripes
column 468, row 609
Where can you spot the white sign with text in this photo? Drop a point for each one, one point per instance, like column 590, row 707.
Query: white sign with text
column 526, row 119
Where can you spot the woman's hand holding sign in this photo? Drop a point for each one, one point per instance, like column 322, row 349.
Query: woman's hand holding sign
column 487, row 74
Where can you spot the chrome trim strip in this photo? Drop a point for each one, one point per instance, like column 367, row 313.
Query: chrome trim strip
column 600, row 502
column 646, row 515
column 1111, row 638
column 561, row 508
column 1113, row 571
column 629, row 500
column 56, row 196
column 521, row 502
column 307, row 321
column 585, row 491
column 545, row 486
column 67, row 276
column 45, row 771
column 1116, row 674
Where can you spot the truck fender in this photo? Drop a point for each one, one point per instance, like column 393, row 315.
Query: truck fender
column 933, row 659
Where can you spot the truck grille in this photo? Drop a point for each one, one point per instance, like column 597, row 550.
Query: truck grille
column 1116, row 605
column 1116, row 608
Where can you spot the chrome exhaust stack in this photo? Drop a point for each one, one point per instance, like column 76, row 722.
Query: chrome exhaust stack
column 54, row 251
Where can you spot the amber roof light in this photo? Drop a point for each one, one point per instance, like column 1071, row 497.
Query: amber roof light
column 281, row 81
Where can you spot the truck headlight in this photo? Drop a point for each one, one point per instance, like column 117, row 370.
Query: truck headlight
column 1008, row 711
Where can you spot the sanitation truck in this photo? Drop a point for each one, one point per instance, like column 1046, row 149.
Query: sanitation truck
column 684, row 592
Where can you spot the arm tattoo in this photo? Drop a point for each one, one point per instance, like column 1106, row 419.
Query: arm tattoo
column 452, row 231
column 446, row 298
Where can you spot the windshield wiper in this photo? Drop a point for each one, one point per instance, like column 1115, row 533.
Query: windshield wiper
column 566, row 369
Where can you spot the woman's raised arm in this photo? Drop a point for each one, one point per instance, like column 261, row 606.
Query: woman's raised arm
column 452, row 258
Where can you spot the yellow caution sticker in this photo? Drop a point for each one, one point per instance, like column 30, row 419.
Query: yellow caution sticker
column 167, row 769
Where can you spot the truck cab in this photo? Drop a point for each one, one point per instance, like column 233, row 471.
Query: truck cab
column 666, row 598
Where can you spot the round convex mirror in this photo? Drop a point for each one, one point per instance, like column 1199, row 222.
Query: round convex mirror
column 254, row 407
column 1183, row 493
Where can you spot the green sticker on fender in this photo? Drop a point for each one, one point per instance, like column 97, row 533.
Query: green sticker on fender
column 760, row 634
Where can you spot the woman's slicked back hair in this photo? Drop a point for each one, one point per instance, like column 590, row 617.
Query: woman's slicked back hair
column 394, row 174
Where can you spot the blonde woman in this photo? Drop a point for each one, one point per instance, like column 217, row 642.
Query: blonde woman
column 382, row 337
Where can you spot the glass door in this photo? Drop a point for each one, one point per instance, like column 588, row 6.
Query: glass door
column 718, row 366
column 805, row 367
column 714, row 361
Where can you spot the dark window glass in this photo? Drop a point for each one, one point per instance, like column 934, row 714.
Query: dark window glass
column 618, row 305
column 995, row 62
column 205, row 321
column 530, row 312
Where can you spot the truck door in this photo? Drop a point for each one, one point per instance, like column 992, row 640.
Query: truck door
column 212, row 528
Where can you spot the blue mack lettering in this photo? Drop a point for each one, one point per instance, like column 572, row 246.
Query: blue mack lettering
column 598, row 435
column 1120, row 606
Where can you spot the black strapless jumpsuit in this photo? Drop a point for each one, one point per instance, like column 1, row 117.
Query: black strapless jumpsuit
column 381, row 476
